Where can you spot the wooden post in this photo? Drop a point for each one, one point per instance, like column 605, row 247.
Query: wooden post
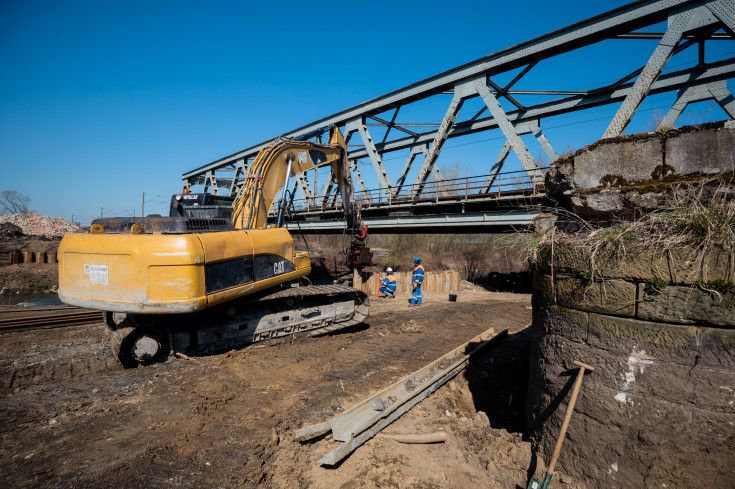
column 356, row 280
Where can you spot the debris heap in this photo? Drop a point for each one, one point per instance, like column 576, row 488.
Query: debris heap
column 39, row 225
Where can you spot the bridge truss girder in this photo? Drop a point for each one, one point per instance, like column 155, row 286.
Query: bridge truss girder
column 689, row 23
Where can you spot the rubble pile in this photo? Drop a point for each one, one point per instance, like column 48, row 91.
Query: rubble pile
column 40, row 225
column 10, row 230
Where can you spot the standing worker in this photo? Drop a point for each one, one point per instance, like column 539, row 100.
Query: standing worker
column 388, row 284
column 418, row 279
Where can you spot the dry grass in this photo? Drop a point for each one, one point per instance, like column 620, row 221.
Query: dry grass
column 475, row 254
column 698, row 216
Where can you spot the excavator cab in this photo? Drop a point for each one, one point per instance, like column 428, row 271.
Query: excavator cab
column 201, row 205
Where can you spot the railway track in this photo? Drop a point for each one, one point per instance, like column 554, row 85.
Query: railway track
column 46, row 317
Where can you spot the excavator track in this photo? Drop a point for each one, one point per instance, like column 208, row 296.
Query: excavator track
column 315, row 309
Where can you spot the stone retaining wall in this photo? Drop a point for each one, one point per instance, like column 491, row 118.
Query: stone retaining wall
column 659, row 409
column 624, row 175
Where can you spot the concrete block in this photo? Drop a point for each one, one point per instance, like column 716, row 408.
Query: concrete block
column 714, row 430
column 686, row 305
column 566, row 323
column 714, row 389
column 542, row 295
column 688, row 265
column 631, row 376
column 644, row 340
column 633, row 160
column 717, row 348
column 631, row 262
column 614, row 297
column 651, row 378
column 668, row 423
column 635, row 262
column 704, row 151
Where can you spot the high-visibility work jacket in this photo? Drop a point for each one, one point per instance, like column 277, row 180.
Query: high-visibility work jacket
column 418, row 275
column 389, row 283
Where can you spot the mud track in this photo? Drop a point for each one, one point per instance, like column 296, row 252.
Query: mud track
column 73, row 418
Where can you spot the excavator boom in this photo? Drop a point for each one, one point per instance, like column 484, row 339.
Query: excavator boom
column 282, row 159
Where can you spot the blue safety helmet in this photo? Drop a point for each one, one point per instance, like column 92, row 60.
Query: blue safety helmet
column 417, row 260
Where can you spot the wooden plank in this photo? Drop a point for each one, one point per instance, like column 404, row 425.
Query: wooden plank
column 361, row 422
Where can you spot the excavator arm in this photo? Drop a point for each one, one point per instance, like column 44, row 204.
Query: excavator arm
column 276, row 164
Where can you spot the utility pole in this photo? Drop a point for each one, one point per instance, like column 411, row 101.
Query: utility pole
column 142, row 207
column 101, row 209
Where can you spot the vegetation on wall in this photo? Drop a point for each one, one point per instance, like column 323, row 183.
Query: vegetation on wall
column 698, row 216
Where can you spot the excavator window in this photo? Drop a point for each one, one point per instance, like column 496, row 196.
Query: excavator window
column 221, row 204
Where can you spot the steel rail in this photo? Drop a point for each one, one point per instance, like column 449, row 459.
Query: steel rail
column 31, row 319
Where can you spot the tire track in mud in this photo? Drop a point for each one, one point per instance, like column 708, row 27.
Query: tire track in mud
column 39, row 368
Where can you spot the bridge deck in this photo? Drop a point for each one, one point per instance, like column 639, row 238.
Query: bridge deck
column 468, row 204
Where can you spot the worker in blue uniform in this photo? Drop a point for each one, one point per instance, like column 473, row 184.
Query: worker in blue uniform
column 388, row 284
column 418, row 279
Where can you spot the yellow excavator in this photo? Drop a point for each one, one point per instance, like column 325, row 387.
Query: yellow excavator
column 215, row 275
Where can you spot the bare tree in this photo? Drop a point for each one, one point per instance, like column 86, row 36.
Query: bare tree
column 12, row 202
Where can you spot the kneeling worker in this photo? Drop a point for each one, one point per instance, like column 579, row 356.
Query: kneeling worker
column 388, row 284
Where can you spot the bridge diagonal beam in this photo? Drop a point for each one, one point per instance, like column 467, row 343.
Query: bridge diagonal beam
column 502, row 93
column 684, row 98
column 304, row 187
column 329, row 186
column 461, row 92
column 678, row 24
column 522, row 128
column 412, row 154
column 358, row 178
column 478, row 114
column 725, row 11
column 715, row 90
column 390, row 125
column 508, row 130
column 211, row 179
column 359, row 126
column 241, row 166
column 495, row 169
column 535, row 128
column 723, row 97
column 294, row 185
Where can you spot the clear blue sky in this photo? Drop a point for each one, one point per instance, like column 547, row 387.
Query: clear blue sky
column 102, row 101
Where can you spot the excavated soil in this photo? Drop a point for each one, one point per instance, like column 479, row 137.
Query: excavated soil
column 73, row 418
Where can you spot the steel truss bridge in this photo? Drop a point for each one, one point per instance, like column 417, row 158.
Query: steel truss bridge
column 497, row 199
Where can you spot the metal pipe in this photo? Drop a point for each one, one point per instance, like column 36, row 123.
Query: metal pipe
column 282, row 205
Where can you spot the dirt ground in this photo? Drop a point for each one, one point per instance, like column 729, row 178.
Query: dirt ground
column 27, row 277
column 73, row 418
